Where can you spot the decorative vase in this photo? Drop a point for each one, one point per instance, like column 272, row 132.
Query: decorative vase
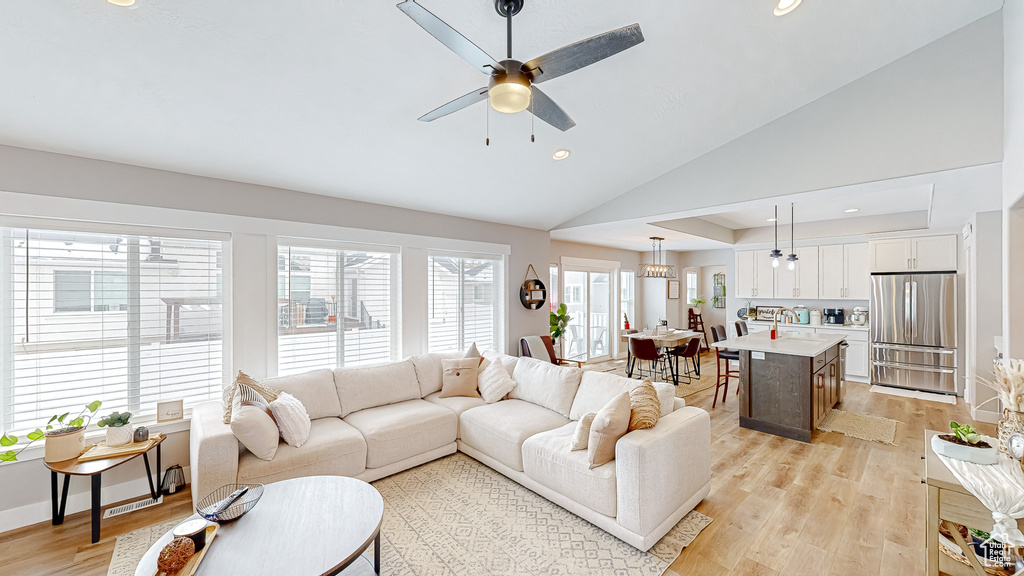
column 1010, row 423
column 119, row 435
column 141, row 434
column 64, row 446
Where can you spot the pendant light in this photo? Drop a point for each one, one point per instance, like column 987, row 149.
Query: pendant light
column 792, row 225
column 776, row 254
column 658, row 268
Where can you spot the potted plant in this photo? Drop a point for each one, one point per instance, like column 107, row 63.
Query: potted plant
column 559, row 324
column 65, row 438
column 625, row 320
column 697, row 301
column 119, row 430
column 985, row 547
column 1009, row 389
column 964, row 444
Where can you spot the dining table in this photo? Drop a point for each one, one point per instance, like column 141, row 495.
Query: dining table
column 665, row 340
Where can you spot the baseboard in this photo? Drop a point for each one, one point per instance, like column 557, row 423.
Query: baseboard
column 990, row 416
column 40, row 511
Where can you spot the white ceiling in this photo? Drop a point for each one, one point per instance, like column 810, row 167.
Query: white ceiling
column 322, row 96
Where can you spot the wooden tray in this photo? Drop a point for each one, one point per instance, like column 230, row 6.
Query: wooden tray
column 193, row 563
column 101, row 450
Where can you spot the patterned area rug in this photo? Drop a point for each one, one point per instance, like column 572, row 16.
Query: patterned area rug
column 455, row 516
column 862, row 426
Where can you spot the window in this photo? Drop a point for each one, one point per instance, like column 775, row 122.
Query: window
column 691, row 286
column 627, row 298
column 553, row 298
column 466, row 303
column 334, row 307
column 125, row 319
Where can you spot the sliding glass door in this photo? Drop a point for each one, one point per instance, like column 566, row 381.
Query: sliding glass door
column 588, row 298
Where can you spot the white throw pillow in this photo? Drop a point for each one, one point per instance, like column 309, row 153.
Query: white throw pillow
column 582, row 434
column 255, row 429
column 495, row 382
column 292, row 419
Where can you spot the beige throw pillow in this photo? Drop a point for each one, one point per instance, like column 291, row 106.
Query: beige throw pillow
column 269, row 394
column 253, row 426
column 582, row 434
column 610, row 424
column 646, row 407
column 458, row 377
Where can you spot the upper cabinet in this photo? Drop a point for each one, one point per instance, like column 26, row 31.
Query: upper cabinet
column 802, row 281
column 843, row 272
column 755, row 276
column 922, row 254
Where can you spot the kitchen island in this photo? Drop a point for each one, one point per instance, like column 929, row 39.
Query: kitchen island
column 789, row 384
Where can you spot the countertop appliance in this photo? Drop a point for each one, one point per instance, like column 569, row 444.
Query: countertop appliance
column 834, row 316
column 815, row 317
column 802, row 317
column 913, row 334
column 859, row 316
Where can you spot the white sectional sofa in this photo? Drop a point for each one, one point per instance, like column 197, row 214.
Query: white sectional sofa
column 372, row 422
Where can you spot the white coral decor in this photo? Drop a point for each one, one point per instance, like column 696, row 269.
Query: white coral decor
column 1008, row 384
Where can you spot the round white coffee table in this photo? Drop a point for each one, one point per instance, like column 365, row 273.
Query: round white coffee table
column 316, row 526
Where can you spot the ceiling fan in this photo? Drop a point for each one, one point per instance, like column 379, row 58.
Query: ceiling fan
column 512, row 85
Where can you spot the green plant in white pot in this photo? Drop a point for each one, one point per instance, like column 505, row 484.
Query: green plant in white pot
column 119, row 428
column 65, row 437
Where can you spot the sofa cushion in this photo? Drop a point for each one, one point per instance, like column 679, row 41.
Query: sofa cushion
column 457, row 404
column 509, row 361
column 398, row 431
column 596, row 390
column 548, row 459
column 334, row 448
column 371, row 386
column 499, row 430
column 544, row 384
column 314, row 389
column 428, row 370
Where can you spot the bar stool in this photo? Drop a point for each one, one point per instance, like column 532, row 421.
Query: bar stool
column 718, row 335
column 741, row 328
column 689, row 350
column 644, row 349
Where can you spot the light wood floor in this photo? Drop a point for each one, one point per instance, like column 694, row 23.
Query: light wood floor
column 837, row 506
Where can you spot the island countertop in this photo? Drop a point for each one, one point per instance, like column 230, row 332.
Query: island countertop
column 789, row 343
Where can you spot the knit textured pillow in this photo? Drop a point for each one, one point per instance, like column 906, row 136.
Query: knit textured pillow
column 582, row 433
column 269, row 394
column 292, row 419
column 645, row 407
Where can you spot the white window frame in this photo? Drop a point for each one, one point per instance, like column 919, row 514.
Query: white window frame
column 500, row 282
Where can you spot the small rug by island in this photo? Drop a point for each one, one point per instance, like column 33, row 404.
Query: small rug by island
column 456, row 516
column 862, row 426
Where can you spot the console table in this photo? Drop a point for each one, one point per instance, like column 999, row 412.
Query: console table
column 949, row 502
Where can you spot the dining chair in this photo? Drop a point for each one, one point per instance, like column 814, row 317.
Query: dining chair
column 645, row 350
column 724, row 355
column 741, row 328
column 598, row 343
column 542, row 348
column 691, row 350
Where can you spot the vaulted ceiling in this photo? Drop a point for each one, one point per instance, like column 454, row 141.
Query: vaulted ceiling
column 322, row 96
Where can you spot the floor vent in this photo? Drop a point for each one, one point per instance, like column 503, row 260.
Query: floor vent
column 131, row 507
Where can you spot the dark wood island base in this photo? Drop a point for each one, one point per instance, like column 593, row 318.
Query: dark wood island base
column 788, row 395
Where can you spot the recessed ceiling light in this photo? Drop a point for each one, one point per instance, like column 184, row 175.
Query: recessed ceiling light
column 851, row 210
column 125, row 3
column 560, row 154
column 772, row 219
column 785, row 7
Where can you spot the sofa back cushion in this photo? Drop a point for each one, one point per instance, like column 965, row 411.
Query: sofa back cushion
column 314, row 389
column 544, row 384
column 598, row 388
column 428, row 370
column 362, row 388
column 508, row 361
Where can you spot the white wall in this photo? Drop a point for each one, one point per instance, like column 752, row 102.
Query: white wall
column 1013, row 177
column 987, row 309
column 49, row 185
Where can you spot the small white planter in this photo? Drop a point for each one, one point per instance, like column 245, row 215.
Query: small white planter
column 966, row 453
column 60, row 447
column 118, row 436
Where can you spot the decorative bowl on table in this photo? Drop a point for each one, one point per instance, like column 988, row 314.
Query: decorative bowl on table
column 211, row 507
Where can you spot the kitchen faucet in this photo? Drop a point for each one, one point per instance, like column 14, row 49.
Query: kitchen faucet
column 775, row 319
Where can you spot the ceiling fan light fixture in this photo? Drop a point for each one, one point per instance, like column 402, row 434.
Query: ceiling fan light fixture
column 785, row 7
column 509, row 93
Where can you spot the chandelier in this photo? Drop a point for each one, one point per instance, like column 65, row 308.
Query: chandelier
column 658, row 269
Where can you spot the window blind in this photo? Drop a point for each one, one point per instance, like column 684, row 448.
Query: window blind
column 334, row 308
column 465, row 301
column 126, row 319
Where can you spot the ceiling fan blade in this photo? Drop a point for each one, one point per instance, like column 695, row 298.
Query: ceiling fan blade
column 545, row 108
column 583, row 53
column 450, row 37
column 455, row 105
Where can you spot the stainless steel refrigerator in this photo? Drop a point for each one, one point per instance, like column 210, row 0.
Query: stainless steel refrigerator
column 913, row 331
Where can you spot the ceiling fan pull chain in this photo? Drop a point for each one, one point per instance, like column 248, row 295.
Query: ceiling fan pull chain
column 532, row 116
column 487, row 124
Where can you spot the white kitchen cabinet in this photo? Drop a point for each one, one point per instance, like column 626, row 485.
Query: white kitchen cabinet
column 802, row 281
column 857, row 361
column 843, row 272
column 755, row 275
column 919, row 254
